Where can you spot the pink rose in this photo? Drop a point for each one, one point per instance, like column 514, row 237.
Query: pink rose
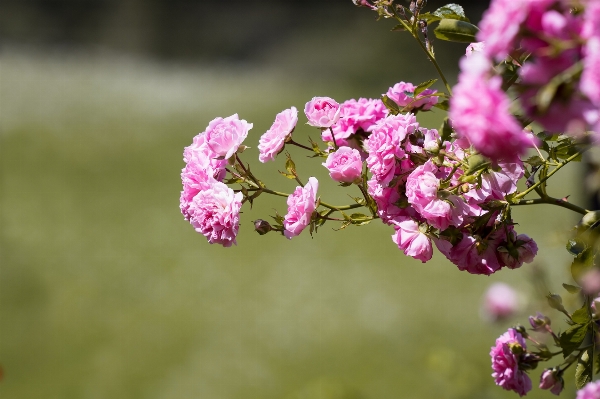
column 422, row 186
column 517, row 250
column 344, row 165
column 500, row 302
column 505, row 363
column 215, row 212
column 224, row 136
column 412, row 241
column 397, row 93
column 500, row 25
column 301, row 205
column 550, row 379
column 322, row 112
column 272, row 142
column 590, row 391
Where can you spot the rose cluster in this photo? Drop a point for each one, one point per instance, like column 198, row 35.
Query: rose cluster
column 549, row 52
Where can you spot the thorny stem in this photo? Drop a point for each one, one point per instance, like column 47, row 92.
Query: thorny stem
column 551, row 201
column 292, row 142
column 558, row 167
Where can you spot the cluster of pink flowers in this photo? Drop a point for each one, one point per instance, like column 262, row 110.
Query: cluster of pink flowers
column 211, row 207
column 563, row 50
column 507, row 354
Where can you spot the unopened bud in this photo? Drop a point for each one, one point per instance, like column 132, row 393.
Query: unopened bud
column 515, row 348
column 539, row 322
column 432, row 147
column 552, row 379
column 262, row 226
column 521, row 330
column 529, row 361
column 555, row 302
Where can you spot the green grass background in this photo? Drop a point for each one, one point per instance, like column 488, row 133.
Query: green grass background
column 106, row 292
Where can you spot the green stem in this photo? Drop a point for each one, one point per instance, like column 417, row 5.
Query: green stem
column 558, row 167
column 300, row 145
column 340, row 208
column 551, row 201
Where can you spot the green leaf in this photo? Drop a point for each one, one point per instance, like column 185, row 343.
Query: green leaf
column 454, row 30
column 423, row 86
column 443, row 105
column 445, row 130
column 584, row 370
column 360, row 219
column 390, row 105
column 571, row 339
column 289, row 176
column 290, row 166
column 534, row 161
column 572, row 289
column 451, row 11
column 429, row 18
column 581, row 315
column 398, row 28
column 476, row 163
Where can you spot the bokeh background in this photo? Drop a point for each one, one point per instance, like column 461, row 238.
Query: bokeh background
column 106, row 292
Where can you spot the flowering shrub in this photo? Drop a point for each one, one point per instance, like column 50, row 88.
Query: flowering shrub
column 527, row 103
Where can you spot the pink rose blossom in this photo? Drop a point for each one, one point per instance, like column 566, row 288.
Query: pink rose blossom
column 505, row 363
column 397, row 93
column 422, row 186
column 391, row 204
column 550, row 380
column 590, row 391
column 344, row 165
column 272, row 142
column 215, row 213
column 301, row 205
column 474, row 47
column 520, row 249
column 479, row 111
column 224, row 136
column 590, row 281
column 590, row 77
column 355, row 115
column 412, row 241
column 500, row 302
column 322, row 112
column 473, row 254
column 384, row 145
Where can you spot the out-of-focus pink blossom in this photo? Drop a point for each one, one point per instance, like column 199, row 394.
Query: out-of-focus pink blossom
column 505, row 363
column 590, row 391
column 500, row 302
column 424, row 100
column 590, row 77
column 215, row 213
column 517, row 250
column 344, row 165
column 590, row 281
column 384, row 145
column 322, row 112
column 271, row 143
column 500, row 25
column 479, row 111
column 224, row 136
column 550, row 380
column 301, row 205
column 474, row 47
column 412, row 241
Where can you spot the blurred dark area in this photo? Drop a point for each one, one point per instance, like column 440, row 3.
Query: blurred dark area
column 226, row 31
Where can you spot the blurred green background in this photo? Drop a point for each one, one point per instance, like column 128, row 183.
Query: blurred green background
column 106, row 292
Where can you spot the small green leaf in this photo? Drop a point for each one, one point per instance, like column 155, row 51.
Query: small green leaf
column 289, row 176
column 429, row 18
column 571, row 339
column 572, row 289
column 476, row 163
column 360, row 219
column 454, row 30
column 443, row 105
column 423, row 86
column 451, row 11
column 534, row 161
column 390, row 105
column 290, row 166
column 445, row 130
column 584, row 370
column 581, row 315
column 398, row 28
